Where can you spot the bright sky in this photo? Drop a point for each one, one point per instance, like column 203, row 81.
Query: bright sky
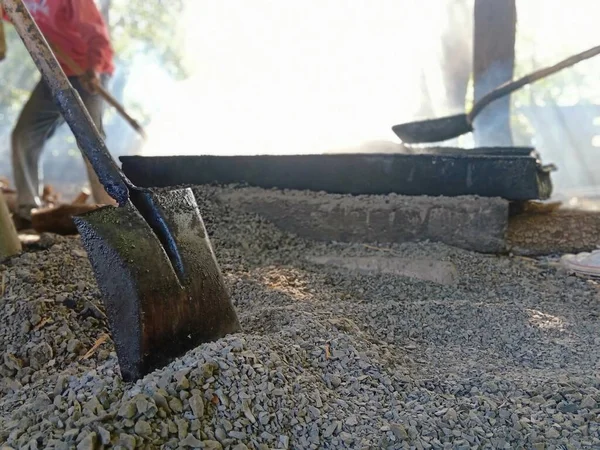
column 316, row 75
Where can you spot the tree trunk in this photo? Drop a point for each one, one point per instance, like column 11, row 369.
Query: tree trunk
column 457, row 53
column 10, row 244
column 493, row 64
column 105, row 11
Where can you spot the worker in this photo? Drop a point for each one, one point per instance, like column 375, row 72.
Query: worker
column 74, row 28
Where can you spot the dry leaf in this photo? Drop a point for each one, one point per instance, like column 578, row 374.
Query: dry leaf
column 101, row 340
column 43, row 322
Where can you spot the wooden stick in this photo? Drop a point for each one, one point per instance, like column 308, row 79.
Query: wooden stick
column 103, row 92
column 59, row 219
column 10, row 244
column 101, row 340
column 81, row 197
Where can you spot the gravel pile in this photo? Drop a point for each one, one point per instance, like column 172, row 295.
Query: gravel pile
column 507, row 357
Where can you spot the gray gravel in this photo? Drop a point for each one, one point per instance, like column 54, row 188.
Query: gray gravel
column 506, row 357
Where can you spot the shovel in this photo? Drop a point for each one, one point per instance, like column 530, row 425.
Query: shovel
column 442, row 129
column 162, row 287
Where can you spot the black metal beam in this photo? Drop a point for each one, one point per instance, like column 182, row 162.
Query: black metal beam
column 513, row 173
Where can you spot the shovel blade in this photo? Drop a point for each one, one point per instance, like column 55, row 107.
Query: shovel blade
column 154, row 313
column 434, row 130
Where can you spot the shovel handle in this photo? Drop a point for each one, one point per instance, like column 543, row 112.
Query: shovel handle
column 70, row 62
column 512, row 86
column 69, row 102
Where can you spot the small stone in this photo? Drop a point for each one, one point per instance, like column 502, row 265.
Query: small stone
column 565, row 407
column 211, row 445
column 220, row 434
column 399, row 431
column 330, row 430
column 104, row 435
column 190, row 441
column 240, row 446
column 182, row 428
column 336, row 381
column 237, row 434
column 176, row 405
column 539, row 446
column 35, row 319
column 79, row 253
column 70, row 302
column 451, row 415
column 161, row 401
column 74, row 346
column 40, row 355
column 504, row 413
column 491, row 387
column 552, row 433
column 227, row 425
column 352, row 420
column 127, row 410
column 142, row 428
column 146, row 406
column 588, row 402
column 183, row 383
column 127, row 441
column 61, row 385
column 12, row 362
column 93, row 406
column 197, row 404
column 88, row 442
column 46, row 240
column 70, row 435
column 284, row 441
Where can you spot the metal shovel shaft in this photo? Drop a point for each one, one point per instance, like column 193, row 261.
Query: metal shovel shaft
column 444, row 128
column 69, row 102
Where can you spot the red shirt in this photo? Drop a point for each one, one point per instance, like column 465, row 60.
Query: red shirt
column 77, row 28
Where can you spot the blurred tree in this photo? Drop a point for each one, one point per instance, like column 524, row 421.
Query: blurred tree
column 456, row 60
column 494, row 33
column 146, row 27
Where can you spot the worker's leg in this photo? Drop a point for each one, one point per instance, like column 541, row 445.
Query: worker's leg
column 37, row 122
column 95, row 106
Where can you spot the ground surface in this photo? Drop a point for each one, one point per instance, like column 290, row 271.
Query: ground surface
column 507, row 357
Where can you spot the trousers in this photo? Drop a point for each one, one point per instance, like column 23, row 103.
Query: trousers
column 37, row 122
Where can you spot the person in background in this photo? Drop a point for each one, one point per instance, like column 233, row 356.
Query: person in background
column 76, row 29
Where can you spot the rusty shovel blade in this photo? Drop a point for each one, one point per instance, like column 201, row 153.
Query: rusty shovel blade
column 156, row 312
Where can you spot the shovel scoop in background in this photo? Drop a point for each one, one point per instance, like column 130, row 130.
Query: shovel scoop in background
column 444, row 128
column 161, row 284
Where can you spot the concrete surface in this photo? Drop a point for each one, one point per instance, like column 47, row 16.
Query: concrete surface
column 473, row 223
column 441, row 272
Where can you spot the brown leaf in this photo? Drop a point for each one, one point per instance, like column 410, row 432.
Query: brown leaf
column 40, row 325
column 101, row 340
